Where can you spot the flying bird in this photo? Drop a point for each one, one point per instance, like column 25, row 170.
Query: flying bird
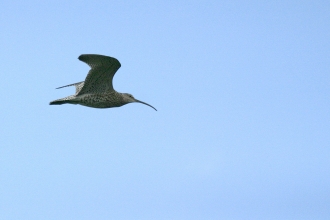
column 97, row 90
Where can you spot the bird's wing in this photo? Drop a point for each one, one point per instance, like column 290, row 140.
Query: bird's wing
column 99, row 78
column 78, row 86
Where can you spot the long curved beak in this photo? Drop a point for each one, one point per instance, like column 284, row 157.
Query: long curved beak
column 145, row 104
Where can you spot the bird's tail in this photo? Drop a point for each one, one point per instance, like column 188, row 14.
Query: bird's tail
column 58, row 102
column 66, row 100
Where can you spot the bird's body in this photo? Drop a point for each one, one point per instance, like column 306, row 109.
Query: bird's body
column 97, row 90
column 94, row 100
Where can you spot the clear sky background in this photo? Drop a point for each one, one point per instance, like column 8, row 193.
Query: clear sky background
column 242, row 129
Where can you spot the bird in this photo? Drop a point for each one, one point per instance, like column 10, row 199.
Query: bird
column 97, row 90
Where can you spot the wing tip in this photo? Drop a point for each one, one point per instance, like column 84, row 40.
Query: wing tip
column 81, row 57
column 87, row 57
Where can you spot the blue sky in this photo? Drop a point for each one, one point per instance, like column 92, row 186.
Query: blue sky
column 242, row 127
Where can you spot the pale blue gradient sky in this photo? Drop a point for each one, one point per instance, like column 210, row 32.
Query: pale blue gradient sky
column 242, row 127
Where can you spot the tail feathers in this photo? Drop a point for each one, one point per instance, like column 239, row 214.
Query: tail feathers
column 69, row 100
column 58, row 102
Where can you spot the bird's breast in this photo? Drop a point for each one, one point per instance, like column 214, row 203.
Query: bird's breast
column 101, row 100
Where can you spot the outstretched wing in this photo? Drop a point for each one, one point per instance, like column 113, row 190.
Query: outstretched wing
column 99, row 78
column 78, row 86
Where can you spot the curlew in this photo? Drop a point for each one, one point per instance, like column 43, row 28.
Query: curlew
column 97, row 90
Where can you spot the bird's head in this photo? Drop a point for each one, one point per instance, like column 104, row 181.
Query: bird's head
column 129, row 98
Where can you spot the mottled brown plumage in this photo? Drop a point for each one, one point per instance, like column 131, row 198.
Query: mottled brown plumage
column 97, row 90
